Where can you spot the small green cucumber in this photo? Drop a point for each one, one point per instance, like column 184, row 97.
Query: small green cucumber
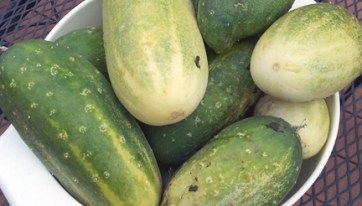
column 222, row 23
column 87, row 42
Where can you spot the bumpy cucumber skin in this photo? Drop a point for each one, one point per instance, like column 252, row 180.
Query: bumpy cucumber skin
column 156, row 58
column 310, row 53
column 66, row 112
column 252, row 162
column 229, row 93
column 222, row 23
column 88, row 42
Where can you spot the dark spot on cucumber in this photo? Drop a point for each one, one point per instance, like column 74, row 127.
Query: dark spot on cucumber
column 298, row 127
column 193, row 188
column 276, row 67
column 175, row 115
column 208, row 164
column 197, row 62
column 196, row 179
column 301, row 126
column 275, row 126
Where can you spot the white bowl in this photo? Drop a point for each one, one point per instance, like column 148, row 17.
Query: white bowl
column 25, row 181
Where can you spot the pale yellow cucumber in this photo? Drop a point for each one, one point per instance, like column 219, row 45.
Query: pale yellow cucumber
column 309, row 53
column 156, row 58
column 310, row 119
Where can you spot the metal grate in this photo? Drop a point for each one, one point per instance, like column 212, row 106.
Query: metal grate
column 340, row 182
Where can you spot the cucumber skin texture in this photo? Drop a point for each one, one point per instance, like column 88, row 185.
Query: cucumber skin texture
column 222, row 23
column 252, row 162
column 152, row 67
column 323, row 53
column 66, row 112
column 229, row 93
column 87, row 42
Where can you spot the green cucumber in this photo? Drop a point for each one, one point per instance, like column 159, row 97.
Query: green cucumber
column 222, row 23
column 310, row 53
column 66, row 112
column 229, row 93
column 156, row 58
column 253, row 162
column 87, row 42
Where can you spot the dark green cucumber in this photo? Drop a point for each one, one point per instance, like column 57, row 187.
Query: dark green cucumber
column 66, row 112
column 222, row 23
column 253, row 162
column 87, row 42
column 230, row 91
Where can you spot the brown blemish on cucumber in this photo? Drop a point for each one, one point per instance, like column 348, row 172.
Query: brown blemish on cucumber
column 276, row 67
column 193, row 188
column 301, row 126
column 175, row 115
column 275, row 126
column 197, row 62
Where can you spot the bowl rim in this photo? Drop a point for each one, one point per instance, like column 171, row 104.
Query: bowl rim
column 55, row 30
column 328, row 148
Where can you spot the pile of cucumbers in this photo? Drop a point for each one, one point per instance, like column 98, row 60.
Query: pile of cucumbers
column 229, row 94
